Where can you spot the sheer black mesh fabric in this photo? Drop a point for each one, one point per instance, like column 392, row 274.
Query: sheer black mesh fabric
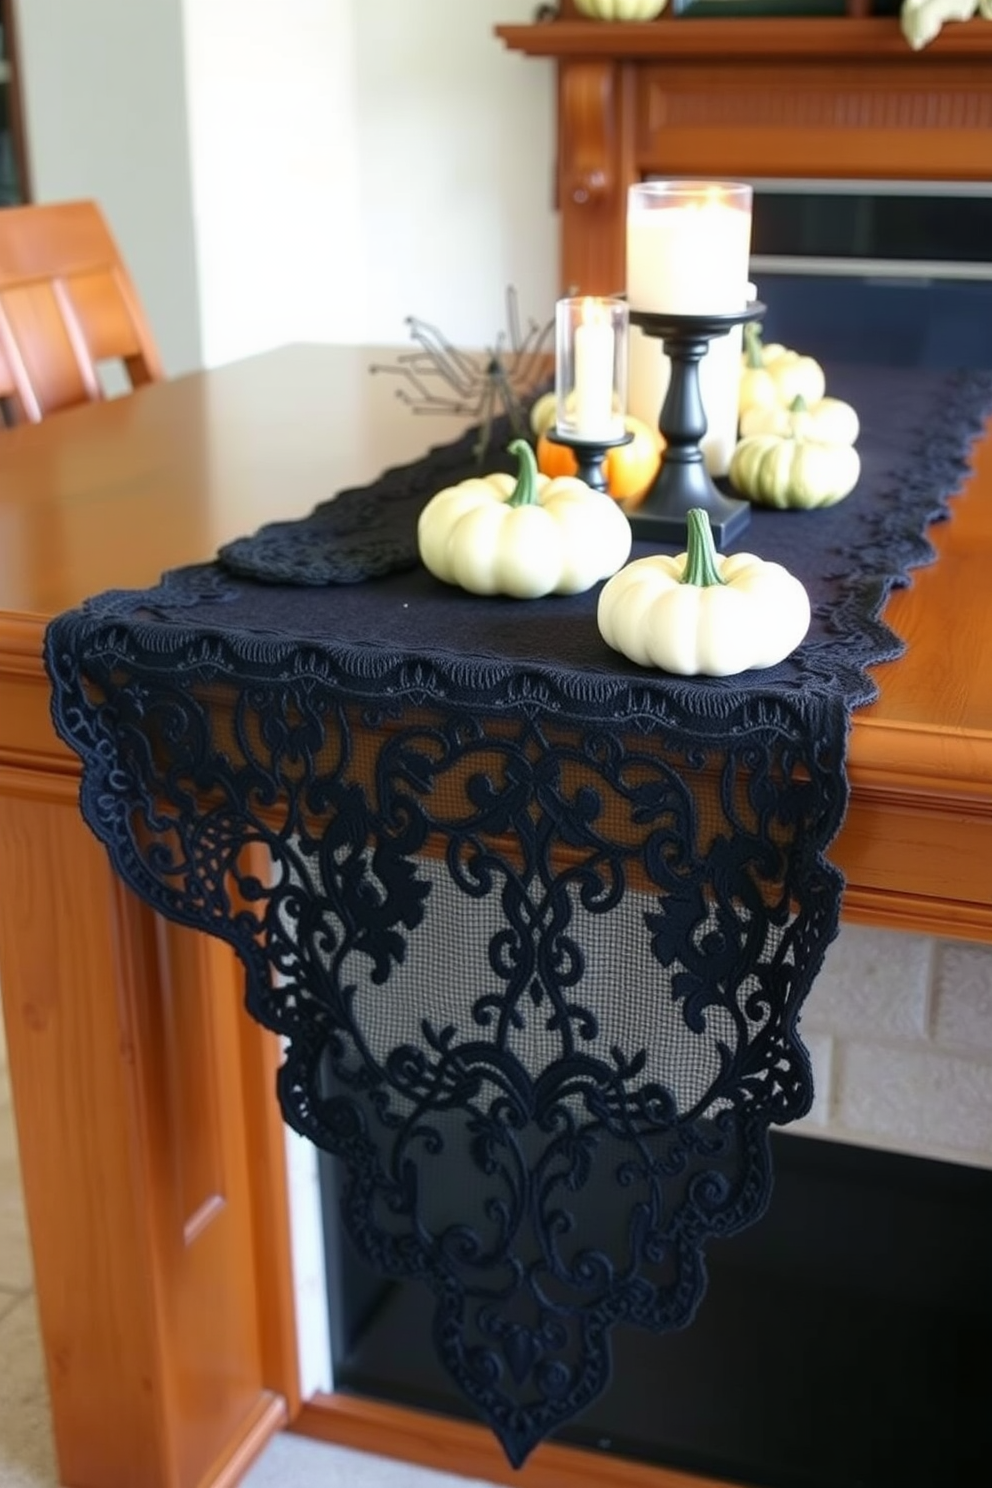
column 535, row 925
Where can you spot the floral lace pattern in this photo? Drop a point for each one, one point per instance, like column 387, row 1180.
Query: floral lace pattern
column 536, row 927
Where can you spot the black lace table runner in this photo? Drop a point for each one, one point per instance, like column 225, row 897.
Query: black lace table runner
column 536, row 925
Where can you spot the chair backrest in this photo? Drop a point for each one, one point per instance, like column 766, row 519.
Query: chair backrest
column 67, row 303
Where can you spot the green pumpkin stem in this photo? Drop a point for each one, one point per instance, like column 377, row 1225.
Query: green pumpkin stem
column 753, row 347
column 700, row 558
column 798, row 405
column 525, row 491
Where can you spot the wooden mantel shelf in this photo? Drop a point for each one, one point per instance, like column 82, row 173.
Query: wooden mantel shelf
column 807, row 98
column 151, row 1148
column 746, row 98
column 872, row 40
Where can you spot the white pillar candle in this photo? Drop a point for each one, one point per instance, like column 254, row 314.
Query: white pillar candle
column 590, row 367
column 594, row 353
column 688, row 245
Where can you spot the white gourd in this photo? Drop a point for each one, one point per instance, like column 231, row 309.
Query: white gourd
column 782, row 471
column 621, row 10
column 524, row 537
column 831, row 421
column 698, row 614
column 774, row 376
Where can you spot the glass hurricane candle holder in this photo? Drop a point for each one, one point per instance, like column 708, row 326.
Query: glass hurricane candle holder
column 590, row 368
column 688, row 249
column 591, row 382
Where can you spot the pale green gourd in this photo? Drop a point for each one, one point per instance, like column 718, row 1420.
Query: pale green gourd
column 831, row 421
column 791, row 470
column 774, row 375
column 621, row 10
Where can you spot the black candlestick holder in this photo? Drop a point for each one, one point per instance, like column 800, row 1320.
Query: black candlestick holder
column 590, row 454
column 683, row 482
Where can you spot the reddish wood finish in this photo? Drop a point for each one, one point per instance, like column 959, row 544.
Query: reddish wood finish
column 152, row 1144
column 67, row 304
column 840, row 97
column 458, row 1447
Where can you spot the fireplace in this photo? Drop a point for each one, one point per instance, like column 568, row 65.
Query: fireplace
column 843, row 1339
column 894, row 273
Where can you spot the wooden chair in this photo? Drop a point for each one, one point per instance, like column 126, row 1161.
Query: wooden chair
column 67, row 303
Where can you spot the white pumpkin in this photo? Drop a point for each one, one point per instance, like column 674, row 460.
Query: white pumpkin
column 789, row 471
column 698, row 614
column 621, row 10
column 831, row 421
column 524, row 537
column 774, row 375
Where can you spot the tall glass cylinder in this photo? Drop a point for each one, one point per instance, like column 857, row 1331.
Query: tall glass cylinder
column 590, row 367
column 688, row 251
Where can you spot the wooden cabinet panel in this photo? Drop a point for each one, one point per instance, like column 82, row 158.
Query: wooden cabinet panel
column 805, row 97
column 820, row 121
column 125, row 1046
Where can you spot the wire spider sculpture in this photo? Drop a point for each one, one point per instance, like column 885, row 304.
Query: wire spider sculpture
column 438, row 378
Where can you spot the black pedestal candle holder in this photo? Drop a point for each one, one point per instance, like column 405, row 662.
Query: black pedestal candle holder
column 683, row 482
column 590, row 454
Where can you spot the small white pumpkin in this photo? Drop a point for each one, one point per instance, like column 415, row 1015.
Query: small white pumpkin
column 524, row 537
column 543, row 414
column 621, row 10
column 698, row 614
column 789, row 470
column 831, row 421
column 774, row 375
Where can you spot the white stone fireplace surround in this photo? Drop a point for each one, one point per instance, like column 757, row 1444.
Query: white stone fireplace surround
column 899, row 1028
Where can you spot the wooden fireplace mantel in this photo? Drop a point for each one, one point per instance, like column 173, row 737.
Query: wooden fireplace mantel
column 841, row 98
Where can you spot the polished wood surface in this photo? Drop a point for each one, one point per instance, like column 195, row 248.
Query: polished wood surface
column 472, row 1451
column 152, row 1145
column 67, row 305
column 755, row 97
column 112, row 495
column 808, row 97
column 846, row 37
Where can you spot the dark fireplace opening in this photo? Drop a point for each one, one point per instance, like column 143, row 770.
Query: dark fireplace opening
column 843, row 1341
column 888, row 273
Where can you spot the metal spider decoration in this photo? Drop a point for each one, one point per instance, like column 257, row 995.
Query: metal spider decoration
column 438, row 378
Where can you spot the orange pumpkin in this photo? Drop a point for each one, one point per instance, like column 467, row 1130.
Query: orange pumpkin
column 630, row 468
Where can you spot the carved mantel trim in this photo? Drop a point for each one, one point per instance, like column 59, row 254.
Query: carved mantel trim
column 876, row 38
column 840, row 98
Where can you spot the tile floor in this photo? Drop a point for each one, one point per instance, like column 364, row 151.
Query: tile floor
column 27, row 1455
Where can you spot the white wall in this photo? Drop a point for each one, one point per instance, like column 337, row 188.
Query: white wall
column 273, row 140
column 354, row 163
column 105, row 114
column 312, row 170
column 457, row 144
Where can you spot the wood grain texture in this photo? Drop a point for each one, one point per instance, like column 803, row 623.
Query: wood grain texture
column 117, row 492
column 124, row 1038
column 837, row 97
column 163, row 1269
column 67, row 304
column 152, row 1147
column 713, row 39
column 595, row 117
column 472, row 1451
